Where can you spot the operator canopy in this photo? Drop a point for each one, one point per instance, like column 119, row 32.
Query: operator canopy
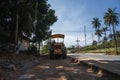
column 58, row 36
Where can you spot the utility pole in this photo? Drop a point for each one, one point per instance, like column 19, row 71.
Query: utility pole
column 78, row 43
column 92, row 36
column 85, row 35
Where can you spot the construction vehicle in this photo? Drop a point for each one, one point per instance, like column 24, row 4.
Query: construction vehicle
column 57, row 48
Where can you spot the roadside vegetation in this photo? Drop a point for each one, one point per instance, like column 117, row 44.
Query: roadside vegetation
column 94, row 49
column 25, row 19
column 111, row 21
column 45, row 48
column 108, row 36
column 105, row 47
column 108, row 51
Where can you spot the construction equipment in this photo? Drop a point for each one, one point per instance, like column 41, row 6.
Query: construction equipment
column 57, row 48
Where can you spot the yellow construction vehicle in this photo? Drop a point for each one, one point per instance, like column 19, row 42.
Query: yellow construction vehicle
column 57, row 48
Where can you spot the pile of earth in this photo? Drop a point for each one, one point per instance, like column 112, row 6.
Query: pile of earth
column 12, row 65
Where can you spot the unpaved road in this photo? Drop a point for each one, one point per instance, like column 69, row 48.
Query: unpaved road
column 59, row 69
column 28, row 67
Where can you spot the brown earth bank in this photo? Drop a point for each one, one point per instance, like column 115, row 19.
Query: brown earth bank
column 26, row 67
column 12, row 65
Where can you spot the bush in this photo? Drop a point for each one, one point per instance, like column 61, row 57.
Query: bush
column 32, row 50
column 89, row 48
column 7, row 47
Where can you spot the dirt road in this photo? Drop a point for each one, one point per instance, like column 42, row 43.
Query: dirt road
column 28, row 67
column 60, row 69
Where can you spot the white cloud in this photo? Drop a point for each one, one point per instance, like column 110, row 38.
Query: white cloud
column 70, row 38
column 73, row 15
column 71, row 21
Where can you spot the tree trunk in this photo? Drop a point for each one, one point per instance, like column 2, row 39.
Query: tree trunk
column 16, row 34
column 98, row 40
column 39, row 48
column 116, row 49
column 105, row 33
column 110, row 30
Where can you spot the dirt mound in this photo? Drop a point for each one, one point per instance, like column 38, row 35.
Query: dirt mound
column 12, row 65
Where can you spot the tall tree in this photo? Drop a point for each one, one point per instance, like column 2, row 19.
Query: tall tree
column 111, row 18
column 118, row 37
column 104, row 30
column 96, row 24
column 94, row 42
column 117, row 34
column 45, row 18
column 17, row 17
column 98, row 32
column 11, row 9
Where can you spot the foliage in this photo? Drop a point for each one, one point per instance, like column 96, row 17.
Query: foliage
column 104, row 30
column 89, row 48
column 32, row 50
column 45, row 48
column 111, row 18
column 105, row 47
column 105, row 50
column 6, row 47
column 45, row 18
column 96, row 24
column 98, row 33
column 94, row 42
column 105, row 39
column 25, row 9
column 71, row 47
column 9, row 9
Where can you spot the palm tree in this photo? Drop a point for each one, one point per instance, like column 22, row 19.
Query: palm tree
column 96, row 24
column 110, row 36
column 118, row 37
column 111, row 18
column 99, row 34
column 118, row 34
column 104, row 29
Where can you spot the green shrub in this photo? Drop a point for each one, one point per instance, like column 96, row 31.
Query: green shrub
column 32, row 50
column 89, row 48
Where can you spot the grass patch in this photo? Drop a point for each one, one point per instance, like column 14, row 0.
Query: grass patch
column 107, row 50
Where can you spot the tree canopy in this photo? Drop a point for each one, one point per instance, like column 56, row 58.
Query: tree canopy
column 111, row 18
column 25, row 9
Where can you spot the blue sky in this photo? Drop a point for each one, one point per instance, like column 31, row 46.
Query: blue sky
column 73, row 15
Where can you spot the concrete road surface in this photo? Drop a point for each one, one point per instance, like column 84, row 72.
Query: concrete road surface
column 93, row 56
column 109, row 64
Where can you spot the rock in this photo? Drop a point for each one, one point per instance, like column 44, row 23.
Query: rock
column 73, row 60
column 6, row 64
column 12, row 67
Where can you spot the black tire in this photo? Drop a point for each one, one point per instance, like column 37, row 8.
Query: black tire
column 64, row 56
column 51, row 55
